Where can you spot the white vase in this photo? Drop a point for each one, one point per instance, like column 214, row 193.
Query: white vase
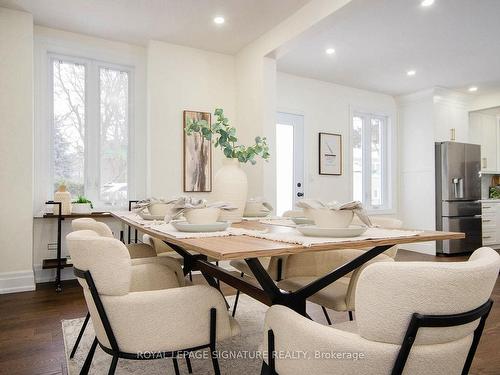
column 231, row 185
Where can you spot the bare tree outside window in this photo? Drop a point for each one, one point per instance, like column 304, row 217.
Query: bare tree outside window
column 69, row 125
column 114, row 89
column 90, row 130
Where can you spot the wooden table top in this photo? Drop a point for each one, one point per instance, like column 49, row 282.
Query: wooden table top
column 241, row 247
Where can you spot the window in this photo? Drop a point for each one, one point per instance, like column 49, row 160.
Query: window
column 371, row 172
column 90, row 128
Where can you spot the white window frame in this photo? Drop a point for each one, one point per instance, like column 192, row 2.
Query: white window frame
column 92, row 153
column 387, row 164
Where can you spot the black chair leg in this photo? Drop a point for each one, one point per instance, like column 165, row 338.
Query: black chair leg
column 326, row 315
column 235, row 303
column 190, row 276
column 112, row 368
column 176, row 366
column 350, row 316
column 73, row 351
column 188, row 362
column 88, row 361
column 215, row 363
column 237, row 298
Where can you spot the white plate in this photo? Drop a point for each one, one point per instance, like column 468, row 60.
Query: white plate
column 314, row 231
column 302, row 220
column 184, row 226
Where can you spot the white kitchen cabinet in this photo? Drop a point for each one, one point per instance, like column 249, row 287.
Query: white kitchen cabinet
column 483, row 130
column 490, row 212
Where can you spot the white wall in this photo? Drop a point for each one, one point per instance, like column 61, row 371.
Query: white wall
column 425, row 118
column 327, row 107
column 16, row 150
column 182, row 78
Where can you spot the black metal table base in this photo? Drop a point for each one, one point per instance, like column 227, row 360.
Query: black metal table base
column 269, row 293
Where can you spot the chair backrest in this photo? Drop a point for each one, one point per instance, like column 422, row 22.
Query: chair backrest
column 107, row 259
column 384, row 222
column 388, row 293
column 90, row 224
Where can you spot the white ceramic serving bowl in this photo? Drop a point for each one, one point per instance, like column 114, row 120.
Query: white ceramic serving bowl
column 207, row 215
column 159, row 209
column 326, row 218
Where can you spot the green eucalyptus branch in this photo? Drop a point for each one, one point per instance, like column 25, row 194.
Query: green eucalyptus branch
column 224, row 137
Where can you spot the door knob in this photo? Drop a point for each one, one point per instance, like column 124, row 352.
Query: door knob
column 300, row 194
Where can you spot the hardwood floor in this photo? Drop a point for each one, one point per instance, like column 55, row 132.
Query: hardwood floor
column 31, row 337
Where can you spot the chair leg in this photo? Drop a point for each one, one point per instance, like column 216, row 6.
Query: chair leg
column 190, row 276
column 235, row 303
column 77, row 342
column 176, row 366
column 188, row 362
column 88, row 361
column 350, row 316
column 237, row 298
column 326, row 315
column 213, row 339
column 112, row 368
column 215, row 363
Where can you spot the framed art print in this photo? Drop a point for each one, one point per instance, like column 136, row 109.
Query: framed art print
column 330, row 154
column 197, row 157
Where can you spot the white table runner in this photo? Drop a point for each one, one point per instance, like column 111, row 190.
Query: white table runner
column 298, row 238
column 132, row 216
column 171, row 231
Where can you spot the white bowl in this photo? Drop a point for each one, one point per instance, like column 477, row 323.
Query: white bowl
column 159, row 209
column 207, row 215
column 326, row 218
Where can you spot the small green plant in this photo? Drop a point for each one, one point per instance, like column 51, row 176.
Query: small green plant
column 83, row 200
column 495, row 192
column 225, row 138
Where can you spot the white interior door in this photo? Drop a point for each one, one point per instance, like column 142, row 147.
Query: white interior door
column 289, row 160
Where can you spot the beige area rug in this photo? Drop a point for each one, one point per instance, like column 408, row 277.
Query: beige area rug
column 250, row 314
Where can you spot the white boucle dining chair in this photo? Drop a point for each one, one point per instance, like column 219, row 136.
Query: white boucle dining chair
column 416, row 318
column 140, row 307
column 141, row 253
column 136, row 250
column 302, row 269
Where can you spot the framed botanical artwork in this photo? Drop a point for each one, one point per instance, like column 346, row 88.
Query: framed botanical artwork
column 330, row 154
column 197, row 156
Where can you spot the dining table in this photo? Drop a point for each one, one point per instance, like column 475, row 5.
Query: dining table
column 199, row 254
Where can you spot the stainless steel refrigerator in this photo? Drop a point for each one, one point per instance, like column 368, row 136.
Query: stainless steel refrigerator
column 458, row 191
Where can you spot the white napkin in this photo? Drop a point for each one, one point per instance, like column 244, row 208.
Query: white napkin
column 355, row 206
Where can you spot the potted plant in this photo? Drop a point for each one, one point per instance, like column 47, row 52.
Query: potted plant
column 82, row 206
column 230, row 184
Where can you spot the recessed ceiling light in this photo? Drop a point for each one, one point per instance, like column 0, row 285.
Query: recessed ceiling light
column 427, row 3
column 219, row 20
column 411, row 73
column 330, row 51
column 473, row 89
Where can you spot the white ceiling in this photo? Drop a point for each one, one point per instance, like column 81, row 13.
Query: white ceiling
column 452, row 44
column 185, row 22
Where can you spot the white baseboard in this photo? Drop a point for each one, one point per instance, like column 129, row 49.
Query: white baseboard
column 18, row 281
column 46, row 276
